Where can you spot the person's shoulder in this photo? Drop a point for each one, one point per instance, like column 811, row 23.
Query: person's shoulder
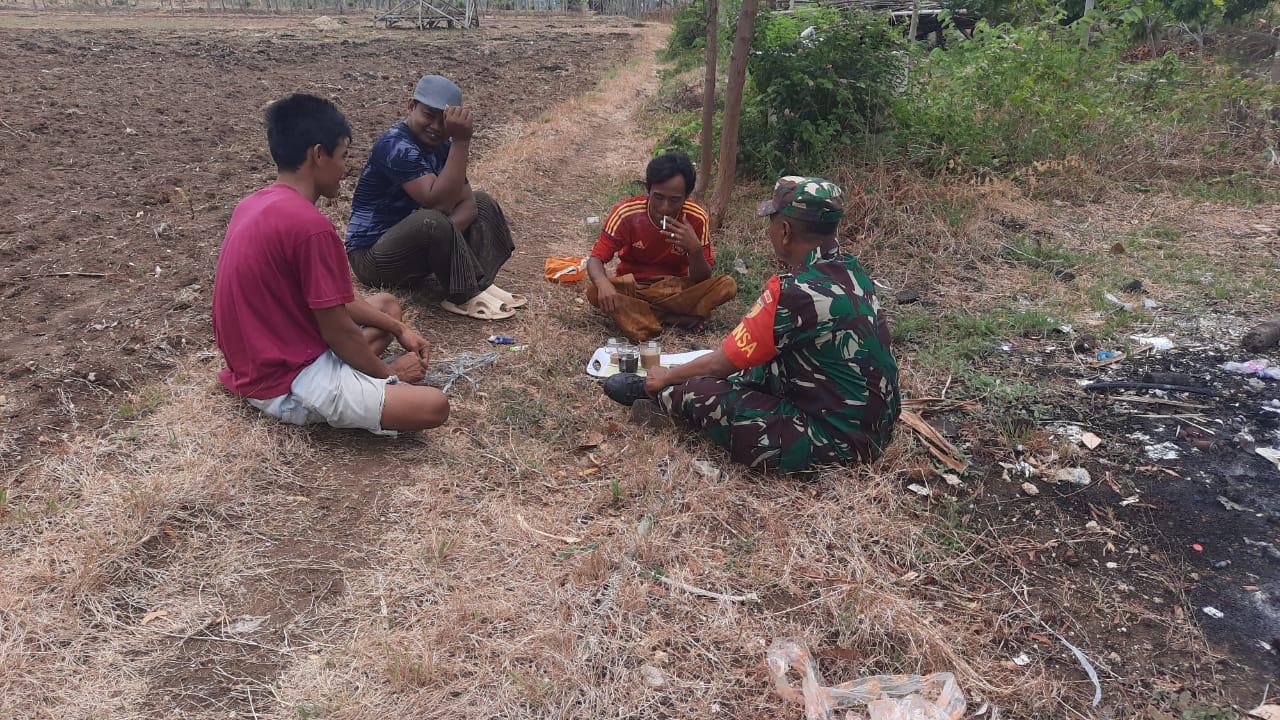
column 696, row 210
column 630, row 206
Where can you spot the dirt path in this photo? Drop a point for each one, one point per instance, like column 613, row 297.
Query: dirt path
column 237, row 553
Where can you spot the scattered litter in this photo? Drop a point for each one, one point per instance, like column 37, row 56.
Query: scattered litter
column 1222, row 564
column 1131, row 500
column 1113, row 565
column 1162, row 451
column 1270, row 548
column 1197, row 547
column 1150, row 386
column 1150, row 304
column 1213, row 612
column 652, row 676
column 1022, row 660
column 739, row 266
column 707, row 469
column 1266, row 712
column 1090, row 440
column 1030, row 489
column 1119, row 304
column 460, row 367
column 919, row 489
column 1232, row 506
column 500, row 340
column 1071, row 433
column 1106, row 355
column 951, row 478
column 592, row 220
column 887, row 697
column 1259, row 368
column 1157, row 342
column 1075, row 476
column 246, row 624
column 1021, row 468
column 1270, row 454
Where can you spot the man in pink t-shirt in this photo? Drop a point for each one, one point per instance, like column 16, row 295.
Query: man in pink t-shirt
column 299, row 344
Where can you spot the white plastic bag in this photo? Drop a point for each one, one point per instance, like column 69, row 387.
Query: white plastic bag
column 887, row 697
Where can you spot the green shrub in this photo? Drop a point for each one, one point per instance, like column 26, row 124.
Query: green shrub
column 690, row 33
column 811, row 95
column 1012, row 96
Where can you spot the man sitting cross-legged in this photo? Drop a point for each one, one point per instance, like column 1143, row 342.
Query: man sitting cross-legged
column 807, row 377
column 664, row 250
column 414, row 213
column 299, row 345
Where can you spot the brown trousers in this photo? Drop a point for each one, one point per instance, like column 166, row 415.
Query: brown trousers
column 646, row 304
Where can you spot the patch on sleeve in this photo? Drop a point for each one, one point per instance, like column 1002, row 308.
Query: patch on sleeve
column 751, row 343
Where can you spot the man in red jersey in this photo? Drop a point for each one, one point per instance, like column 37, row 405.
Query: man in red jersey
column 299, row 345
column 664, row 255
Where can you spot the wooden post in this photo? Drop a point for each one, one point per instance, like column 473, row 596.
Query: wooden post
column 707, row 135
column 915, row 20
column 728, row 165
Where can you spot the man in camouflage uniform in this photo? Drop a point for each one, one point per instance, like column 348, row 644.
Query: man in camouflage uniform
column 807, row 377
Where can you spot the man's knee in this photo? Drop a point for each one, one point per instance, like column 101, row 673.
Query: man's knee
column 388, row 304
column 413, row 407
column 726, row 285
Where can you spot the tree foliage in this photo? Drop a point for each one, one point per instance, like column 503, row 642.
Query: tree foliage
column 819, row 81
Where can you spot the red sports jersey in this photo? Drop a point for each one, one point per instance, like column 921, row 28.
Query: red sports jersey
column 642, row 250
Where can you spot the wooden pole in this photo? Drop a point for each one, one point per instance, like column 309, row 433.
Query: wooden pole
column 707, row 135
column 728, row 165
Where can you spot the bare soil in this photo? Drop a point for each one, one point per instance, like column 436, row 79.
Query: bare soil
column 126, row 150
column 175, row 555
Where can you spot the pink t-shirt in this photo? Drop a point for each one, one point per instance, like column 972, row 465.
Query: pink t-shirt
column 281, row 259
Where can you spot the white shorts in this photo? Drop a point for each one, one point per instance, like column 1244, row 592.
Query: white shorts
column 331, row 391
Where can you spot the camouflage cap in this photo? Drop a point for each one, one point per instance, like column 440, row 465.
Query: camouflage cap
column 805, row 198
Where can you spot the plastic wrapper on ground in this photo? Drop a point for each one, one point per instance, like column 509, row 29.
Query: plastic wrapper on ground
column 884, row 697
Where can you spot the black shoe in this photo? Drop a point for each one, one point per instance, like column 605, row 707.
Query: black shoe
column 625, row 388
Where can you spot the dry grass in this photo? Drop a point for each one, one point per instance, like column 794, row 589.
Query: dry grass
column 498, row 567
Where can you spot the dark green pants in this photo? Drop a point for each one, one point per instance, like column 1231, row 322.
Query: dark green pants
column 426, row 243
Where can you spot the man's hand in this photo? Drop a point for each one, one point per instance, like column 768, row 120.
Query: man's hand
column 416, row 344
column 409, row 368
column 683, row 235
column 609, row 298
column 655, row 379
column 457, row 123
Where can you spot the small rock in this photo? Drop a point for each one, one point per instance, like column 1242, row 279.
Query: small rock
column 652, row 676
column 1213, row 612
column 1133, row 286
column 1065, row 276
column 906, row 297
column 1075, row 476
column 1030, row 489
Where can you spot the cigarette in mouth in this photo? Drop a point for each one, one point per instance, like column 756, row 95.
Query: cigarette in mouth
column 664, row 222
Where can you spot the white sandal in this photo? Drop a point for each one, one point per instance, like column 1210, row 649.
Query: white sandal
column 511, row 300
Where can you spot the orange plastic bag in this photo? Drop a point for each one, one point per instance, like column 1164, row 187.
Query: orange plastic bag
column 566, row 270
column 887, row 697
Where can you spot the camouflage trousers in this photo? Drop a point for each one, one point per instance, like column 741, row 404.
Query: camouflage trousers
column 758, row 429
